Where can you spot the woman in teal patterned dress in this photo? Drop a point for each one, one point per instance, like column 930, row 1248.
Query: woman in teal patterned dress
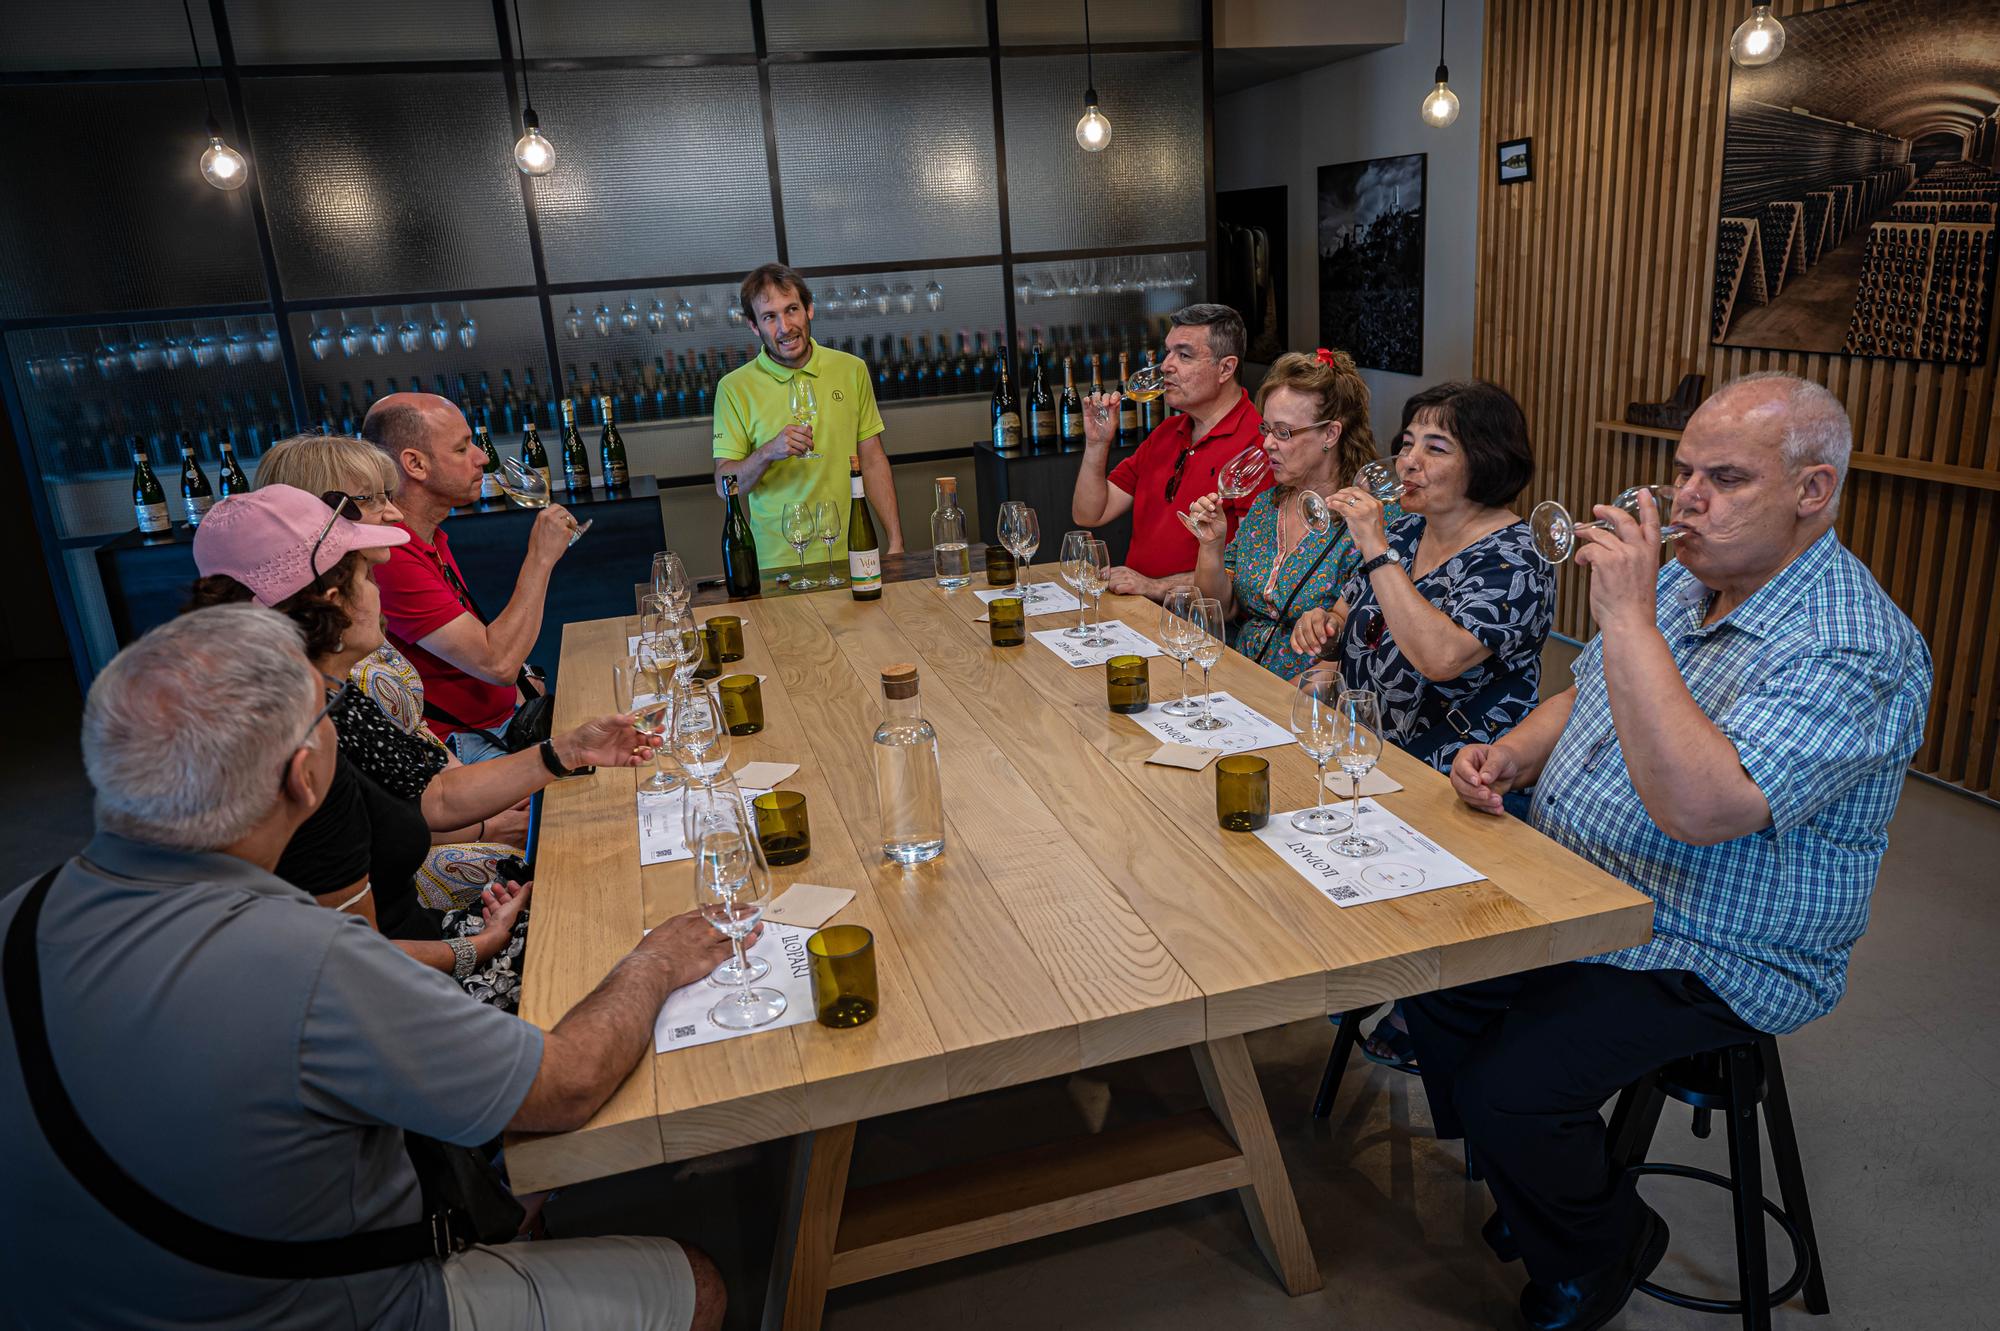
column 1317, row 436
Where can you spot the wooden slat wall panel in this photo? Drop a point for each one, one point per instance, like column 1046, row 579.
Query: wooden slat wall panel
column 1593, row 292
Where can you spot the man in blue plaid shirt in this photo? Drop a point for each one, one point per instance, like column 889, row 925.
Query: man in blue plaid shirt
column 1734, row 746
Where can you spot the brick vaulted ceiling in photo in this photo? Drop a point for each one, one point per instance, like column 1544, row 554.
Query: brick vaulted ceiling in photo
column 1923, row 67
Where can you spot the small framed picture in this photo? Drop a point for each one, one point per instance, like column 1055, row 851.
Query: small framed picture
column 1516, row 161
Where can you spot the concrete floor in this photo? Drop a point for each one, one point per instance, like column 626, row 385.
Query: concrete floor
column 1894, row 1095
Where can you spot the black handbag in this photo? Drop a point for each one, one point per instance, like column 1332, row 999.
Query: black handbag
column 464, row 1200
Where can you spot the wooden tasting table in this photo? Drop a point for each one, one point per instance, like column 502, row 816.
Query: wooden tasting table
column 1086, row 909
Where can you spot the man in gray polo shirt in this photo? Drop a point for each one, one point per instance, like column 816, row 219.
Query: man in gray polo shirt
column 253, row 1059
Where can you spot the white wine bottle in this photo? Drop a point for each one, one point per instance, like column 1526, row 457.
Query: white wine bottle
column 149, row 501
column 907, row 788
column 864, row 553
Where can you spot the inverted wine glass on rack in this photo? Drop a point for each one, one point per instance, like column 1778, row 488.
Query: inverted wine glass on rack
column 525, row 486
column 1555, row 530
column 732, row 885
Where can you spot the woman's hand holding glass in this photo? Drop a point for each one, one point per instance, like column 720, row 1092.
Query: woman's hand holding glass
column 1318, row 626
column 1365, row 519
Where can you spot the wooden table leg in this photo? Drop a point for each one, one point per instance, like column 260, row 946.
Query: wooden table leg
column 1230, row 1081
column 796, row 1297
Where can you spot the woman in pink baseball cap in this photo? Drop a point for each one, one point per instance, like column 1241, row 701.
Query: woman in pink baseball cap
column 360, row 851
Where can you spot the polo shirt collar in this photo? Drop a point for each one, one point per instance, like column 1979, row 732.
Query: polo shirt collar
column 1768, row 608
column 784, row 373
column 147, row 863
column 1233, row 422
column 419, row 544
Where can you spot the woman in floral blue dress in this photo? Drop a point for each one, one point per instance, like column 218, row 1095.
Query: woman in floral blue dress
column 1316, row 433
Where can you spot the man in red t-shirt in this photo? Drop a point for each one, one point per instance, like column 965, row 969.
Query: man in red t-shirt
column 1177, row 462
column 469, row 666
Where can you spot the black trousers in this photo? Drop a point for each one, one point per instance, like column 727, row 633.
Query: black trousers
column 1521, row 1065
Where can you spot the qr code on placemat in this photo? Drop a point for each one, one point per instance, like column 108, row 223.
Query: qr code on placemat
column 1340, row 891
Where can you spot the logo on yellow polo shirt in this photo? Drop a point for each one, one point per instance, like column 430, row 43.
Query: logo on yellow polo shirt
column 839, row 396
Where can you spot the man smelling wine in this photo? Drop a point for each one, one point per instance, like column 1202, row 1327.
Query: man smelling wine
column 783, row 452
column 1177, row 461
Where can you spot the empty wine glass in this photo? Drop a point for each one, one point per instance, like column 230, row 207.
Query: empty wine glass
column 1357, row 747
column 108, row 357
column 670, row 581
column 683, row 312
column 236, row 345
column 524, row 485
column 1092, row 565
column 320, row 341
column 267, row 345
column 378, row 335
column 805, row 411
column 1316, row 723
column 1379, row 479
column 706, row 310
column 204, row 349
column 601, row 320
column 722, row 805
column 1021, row 535
column 409, row 335
column 800, row 525
column 350, row 335
column 883, row 297
column 1555, row 530
column 468, row 328
column 1178, row 637
column 857, row 299
column 1239, row 478
column 933, row 295
column 628, row 318
column 573, row 320
column 906, row 298
column 701, row 736
column 732, row 885
column 1205, row 616
column 831, row 523
column 1074, row 544
column 656, row 316
column 440, row 331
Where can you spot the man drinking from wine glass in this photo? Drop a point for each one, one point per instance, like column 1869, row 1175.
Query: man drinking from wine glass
column 474, row 670
column 1177, row 463
column 777, row 458
column 1733, row 746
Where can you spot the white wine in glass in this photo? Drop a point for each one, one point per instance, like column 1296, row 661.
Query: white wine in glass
column 525, row 486
column 805, row 410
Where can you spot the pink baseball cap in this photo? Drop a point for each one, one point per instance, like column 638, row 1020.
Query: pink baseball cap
column 265, row 540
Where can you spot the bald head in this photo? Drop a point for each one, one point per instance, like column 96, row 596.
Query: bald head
column 427, row 439
column 411, row 420
column 1800, row 420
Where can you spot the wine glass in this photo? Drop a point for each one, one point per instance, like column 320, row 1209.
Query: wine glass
column 722, row 805
column 640, row 686
column 600, row 319
column 800, row 524
column 701, row 736
column 1239, row 478
column 1205, row 617
column 1092, row 565
column 468, row 327
column 1379, row 479
column 525, row 486
column 1073, row 545
column 1555, row 530
column 805, row 411
column 732, row 885
column 1316, row 722
column 1177, row 637
column 439, row 333
column 1021, row 534
column 573, row 320
column 831, row 522
column 1357, row 746
column 1146, row 383
column 683, row 312
column 670, row 581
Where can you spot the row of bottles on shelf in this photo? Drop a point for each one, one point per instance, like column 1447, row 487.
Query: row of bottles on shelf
column 1036, row 419
column 197, row 496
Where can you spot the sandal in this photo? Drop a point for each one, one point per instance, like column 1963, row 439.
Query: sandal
column 1390, row 1046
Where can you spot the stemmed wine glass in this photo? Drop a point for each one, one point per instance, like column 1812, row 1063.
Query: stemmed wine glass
column 830, row 522
column 1073, row 544
column 1093, row 562
column 805, row 411
column 701, row 736
column 1177, row 636
column 1555, row 530
column 1379, row 479
column 1021, row 535
column 800, row 523
column 670, row 581
column 1205, row 619
column 722, row 805
column 1357, row 746
column 732, row 885
column 641, row 687
column 525, row 486
column 1316, row 722
column 1146, row 383
column 1239, row 478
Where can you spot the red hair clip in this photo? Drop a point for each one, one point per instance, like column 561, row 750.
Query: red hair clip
column 1325, row 357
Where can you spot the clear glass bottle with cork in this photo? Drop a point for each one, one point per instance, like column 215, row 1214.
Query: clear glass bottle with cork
column 907, row 788
column 948, row 543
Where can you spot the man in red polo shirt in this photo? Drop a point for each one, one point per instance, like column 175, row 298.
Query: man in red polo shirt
column 469, row 666
column 1177, row 462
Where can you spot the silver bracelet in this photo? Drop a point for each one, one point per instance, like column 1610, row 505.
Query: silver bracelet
column 468, row 958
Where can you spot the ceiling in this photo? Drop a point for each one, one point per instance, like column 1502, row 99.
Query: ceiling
column 1245, row 67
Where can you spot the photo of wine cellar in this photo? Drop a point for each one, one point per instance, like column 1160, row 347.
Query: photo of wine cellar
column 1860, row 182
column 1371, row 261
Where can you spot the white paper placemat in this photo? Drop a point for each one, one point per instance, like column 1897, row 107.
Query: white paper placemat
column 1247, row 727
column 1044, row 598
column 1123, row 642
column 683, row 1021
column 660, row 838
column 1409, row 862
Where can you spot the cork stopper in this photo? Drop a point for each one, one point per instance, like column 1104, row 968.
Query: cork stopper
column 899, row 680
column 853, row 464
column 948, row 484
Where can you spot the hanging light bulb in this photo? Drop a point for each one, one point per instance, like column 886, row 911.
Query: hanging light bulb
column 221, row 165
column 1441, row 103
column 1758, row 40
column 535, row 155
column 1093, row 130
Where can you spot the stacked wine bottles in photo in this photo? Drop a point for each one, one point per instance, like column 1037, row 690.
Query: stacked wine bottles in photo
column 1739, row 271
column 1926, row 293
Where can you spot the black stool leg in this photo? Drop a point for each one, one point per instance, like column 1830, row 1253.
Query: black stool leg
column 1336, row 1062
column 1633, row 1123
column 1747, row 1178
column 1791, row 1173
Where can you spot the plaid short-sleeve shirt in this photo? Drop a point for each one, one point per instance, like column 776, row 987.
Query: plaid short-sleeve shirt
column 1821, row 683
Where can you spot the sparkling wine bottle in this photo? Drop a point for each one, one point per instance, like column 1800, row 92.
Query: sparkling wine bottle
column 739, row 545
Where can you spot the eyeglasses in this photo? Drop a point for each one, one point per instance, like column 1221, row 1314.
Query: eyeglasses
column 334, row 698
column 1284, row 433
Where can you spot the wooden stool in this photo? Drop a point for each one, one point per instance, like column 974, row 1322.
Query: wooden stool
column 1735, row 1081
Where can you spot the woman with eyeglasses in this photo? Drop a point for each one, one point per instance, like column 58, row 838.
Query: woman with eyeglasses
column 361, row 849
column 1315, row 432
column 463, row 861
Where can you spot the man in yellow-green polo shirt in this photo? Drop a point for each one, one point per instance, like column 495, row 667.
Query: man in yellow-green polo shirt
column 756, row 441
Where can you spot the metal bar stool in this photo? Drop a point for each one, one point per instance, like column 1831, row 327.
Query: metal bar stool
column 1735, row 1081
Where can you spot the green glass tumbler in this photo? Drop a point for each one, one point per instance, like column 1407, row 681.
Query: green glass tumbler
column 1007, row 622
column 1126, row 684
column 843, row 975
column 1000, row 568
column 1242, row 792
column 782, row 827
column 709, row 666
column 742, row 703
column 728, row 637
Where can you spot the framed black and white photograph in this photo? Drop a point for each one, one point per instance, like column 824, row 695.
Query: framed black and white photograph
column 1515, row 160
column 1371, row 261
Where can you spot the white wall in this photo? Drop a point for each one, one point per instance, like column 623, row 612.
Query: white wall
column 1281, row 134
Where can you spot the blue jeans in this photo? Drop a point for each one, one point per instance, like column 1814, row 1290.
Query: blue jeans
column 472, row 747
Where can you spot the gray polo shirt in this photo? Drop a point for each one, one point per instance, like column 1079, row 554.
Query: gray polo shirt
column 251, row 1058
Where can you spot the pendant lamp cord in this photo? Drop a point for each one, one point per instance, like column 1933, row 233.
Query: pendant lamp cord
column 521, row 54
column 200, row 71
column 1089, row 69
column 1443, row 6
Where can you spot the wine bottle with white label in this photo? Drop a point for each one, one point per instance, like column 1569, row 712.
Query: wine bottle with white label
column 489, row 473
column 611, row 449
column 149, row 501
column 196, row 496
column 575, row 458
column 864, row 553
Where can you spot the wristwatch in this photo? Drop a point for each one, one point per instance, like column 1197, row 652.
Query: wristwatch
column 554, row 764
column 1386, row 557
